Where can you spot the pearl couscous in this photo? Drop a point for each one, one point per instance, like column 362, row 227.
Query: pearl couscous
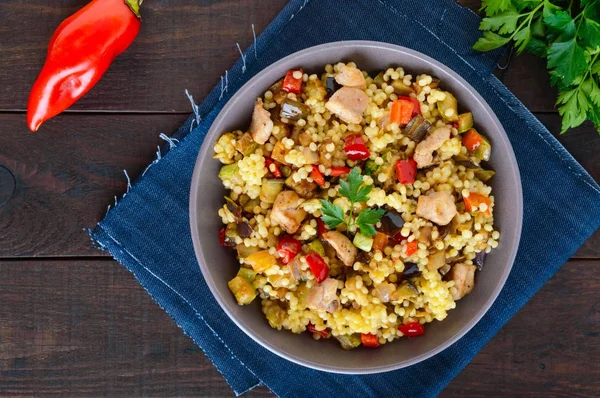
column 358, row 205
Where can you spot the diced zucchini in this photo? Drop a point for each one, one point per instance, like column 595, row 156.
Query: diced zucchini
column 484, row 175
column 448, row 108
column 246, row 145
column 231, row 172
column 402, row 89
column 269, row 189
column 371, row 168
column 247, row 274
column 378, row 80
column 349, row 341
column 244, row 251
column 484, row 150
column 293, row 110
column 242, row 290
column 465, row 122
column 317, row 247
column 363, row 242
column 251, row 204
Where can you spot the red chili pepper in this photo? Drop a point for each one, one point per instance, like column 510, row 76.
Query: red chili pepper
column 412, row 329
column 406, row 170
column 317, row 176
column 455, row 125
column 80, row 51
column 355, row 147
column 288, row 248
column 290, row 83
column 222, row 238
column 338, row 171
column 323, row 333
column 320, row 227
column 411, row 248
column 318, row 266
column 369, row 340
column 275, row 169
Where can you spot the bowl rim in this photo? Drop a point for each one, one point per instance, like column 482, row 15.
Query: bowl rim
column 512, row 245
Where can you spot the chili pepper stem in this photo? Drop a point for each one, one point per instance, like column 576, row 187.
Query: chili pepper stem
column 135, row 5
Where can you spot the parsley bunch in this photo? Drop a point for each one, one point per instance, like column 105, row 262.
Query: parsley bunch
column 567, row 34
column 354, row 190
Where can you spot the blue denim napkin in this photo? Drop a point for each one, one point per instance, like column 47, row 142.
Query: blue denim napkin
column 148, row 231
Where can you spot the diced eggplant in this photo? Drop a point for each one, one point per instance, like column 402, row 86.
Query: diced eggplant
column 443, row 231
column 269, row 189
column 465, row 122
column 405, row 291
column 230, row 234
column 304, row 188
column 246, row 145
column 378, row 80
column 448, row 108
column 479, row 259
column 294, row 110
column 400, row 88
column 234, row 209
column 484, row 175
column 277, row 89
column 483, row 171
column 349, row 341
column 444, row 269
column 392, row 222
column 436, row 260
column 417, row 128
column 331, row 85
column 411, row 270
column 244, row 230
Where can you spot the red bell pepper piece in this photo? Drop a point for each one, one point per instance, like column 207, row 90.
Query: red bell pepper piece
column 222, row 238
column 412, row 329
column 318, row 266
column 320, row 227
column 406, row 170
column 476, row 199
column 80, row 51
column 291, row 84
column 338, row 171
column 472, row 140
column 275, row 169
column 417, row 109
column 402, row 110
column 369, row 340
column 317, row 176
column 288, row 248
column 411, row 248
column 323, row 333
column 355, row 147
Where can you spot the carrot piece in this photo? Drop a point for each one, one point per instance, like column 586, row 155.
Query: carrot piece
column 402, row 110
column 380, row 241
column 472, row 140
column 411, row 248
column 477, row 199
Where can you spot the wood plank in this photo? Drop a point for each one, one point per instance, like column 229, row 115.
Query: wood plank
column 87, row 328
column 184, row 44
column 67, row 176
column 189, row 45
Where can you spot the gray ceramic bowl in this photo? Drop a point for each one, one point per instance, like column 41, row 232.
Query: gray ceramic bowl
column 219, row 265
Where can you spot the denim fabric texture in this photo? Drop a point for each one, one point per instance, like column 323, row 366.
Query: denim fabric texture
column 148, row 231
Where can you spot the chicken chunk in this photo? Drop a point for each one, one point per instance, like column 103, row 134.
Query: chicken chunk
column 348, row 103
column 349, row 76
column 424, row 151
column 438, row 207
column 463, row 276
column 343, row 247
column 286, row 211
column 323, row 297
column 261, row 126
column 279, row 152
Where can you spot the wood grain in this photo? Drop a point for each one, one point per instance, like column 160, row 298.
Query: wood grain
column 68, row 174
column 86, row 328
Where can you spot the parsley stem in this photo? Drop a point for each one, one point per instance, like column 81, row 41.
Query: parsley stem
column 527, row 20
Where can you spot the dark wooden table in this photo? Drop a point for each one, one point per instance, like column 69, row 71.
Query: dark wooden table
column 73, row 322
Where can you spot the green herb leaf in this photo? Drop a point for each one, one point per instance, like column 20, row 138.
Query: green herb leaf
column 492, row 7
column 573, row 109
column 333, row 215
column 352, row 189
column 522, row 39
column 590, row 33
column 505, row 22
column 560, row 21
column 537, row 47
column 567, row 59
column 367, row 219
column 490, row 41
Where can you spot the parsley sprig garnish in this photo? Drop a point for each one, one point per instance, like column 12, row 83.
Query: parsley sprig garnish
column 353, row 189
column 566, row 34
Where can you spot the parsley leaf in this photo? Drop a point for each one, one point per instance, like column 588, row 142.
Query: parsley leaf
column 490, row 41
column 353, row 190
column 567, row 59
column 493, row 7
column 367, row 219
column 333, row 215
column 505, row 22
